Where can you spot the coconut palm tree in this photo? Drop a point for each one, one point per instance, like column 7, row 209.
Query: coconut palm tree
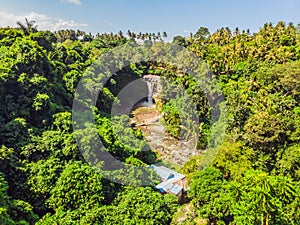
column 129, row 34
column 28, row 27
column 165, row 34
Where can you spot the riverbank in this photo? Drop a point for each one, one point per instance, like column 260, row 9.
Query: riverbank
column 148, row 119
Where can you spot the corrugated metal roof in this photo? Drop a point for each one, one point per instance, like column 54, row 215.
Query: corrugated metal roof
column 166, row 173
column 175, row 189
column 169, row 178
column 168, row 186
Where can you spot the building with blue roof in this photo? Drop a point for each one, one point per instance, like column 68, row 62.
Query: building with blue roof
column 172, row 182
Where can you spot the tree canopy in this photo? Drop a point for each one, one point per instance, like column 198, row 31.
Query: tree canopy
column 254, row 178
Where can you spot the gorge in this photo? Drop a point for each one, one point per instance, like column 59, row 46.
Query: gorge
column 147, row 116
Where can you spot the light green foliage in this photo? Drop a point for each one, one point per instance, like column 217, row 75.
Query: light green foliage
column 257, row 198
column 172, row 119
column 71, row 79
column 289, row 162
column 79, row 186
column 191, row 167
column 234, row 159
column 254, row 179
column 146, row 206
column 266, row 199
column 44, row 175
column 60, row 217
column 205, row 185
column 40, row 101
column 134, row 161
column 137, row 205
column 58, row 142
column 42, row 179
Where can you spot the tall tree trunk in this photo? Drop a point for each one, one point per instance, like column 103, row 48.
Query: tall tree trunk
column 267, row 219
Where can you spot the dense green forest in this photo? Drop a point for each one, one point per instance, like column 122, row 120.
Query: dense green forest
column 253, row 180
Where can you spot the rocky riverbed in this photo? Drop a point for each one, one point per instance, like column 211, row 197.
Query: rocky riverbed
column 148, row 119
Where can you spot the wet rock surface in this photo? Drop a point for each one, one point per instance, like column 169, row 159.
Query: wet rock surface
column 156, row 86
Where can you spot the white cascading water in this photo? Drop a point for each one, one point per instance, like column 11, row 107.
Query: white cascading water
column 150, row 100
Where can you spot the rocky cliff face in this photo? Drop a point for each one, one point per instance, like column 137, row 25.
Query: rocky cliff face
column 156, row 87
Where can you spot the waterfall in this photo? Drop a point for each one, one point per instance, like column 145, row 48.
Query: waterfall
column 150, row 92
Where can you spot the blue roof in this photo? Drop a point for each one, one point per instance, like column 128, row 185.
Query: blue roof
column 169, row 178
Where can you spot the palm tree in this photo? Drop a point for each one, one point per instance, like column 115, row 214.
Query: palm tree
column 133, row 35
column 139, row 35
column 120, row 35
column 28, row 27
column 158, row 36
column 165, row 34
column 153, row 35
column 129, row 33
column 236, row 32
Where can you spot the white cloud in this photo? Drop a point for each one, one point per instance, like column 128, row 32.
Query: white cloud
column 43, row 21
column 185, row 31
column 76, row 2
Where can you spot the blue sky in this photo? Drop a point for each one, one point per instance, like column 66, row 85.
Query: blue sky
column 173, row 16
